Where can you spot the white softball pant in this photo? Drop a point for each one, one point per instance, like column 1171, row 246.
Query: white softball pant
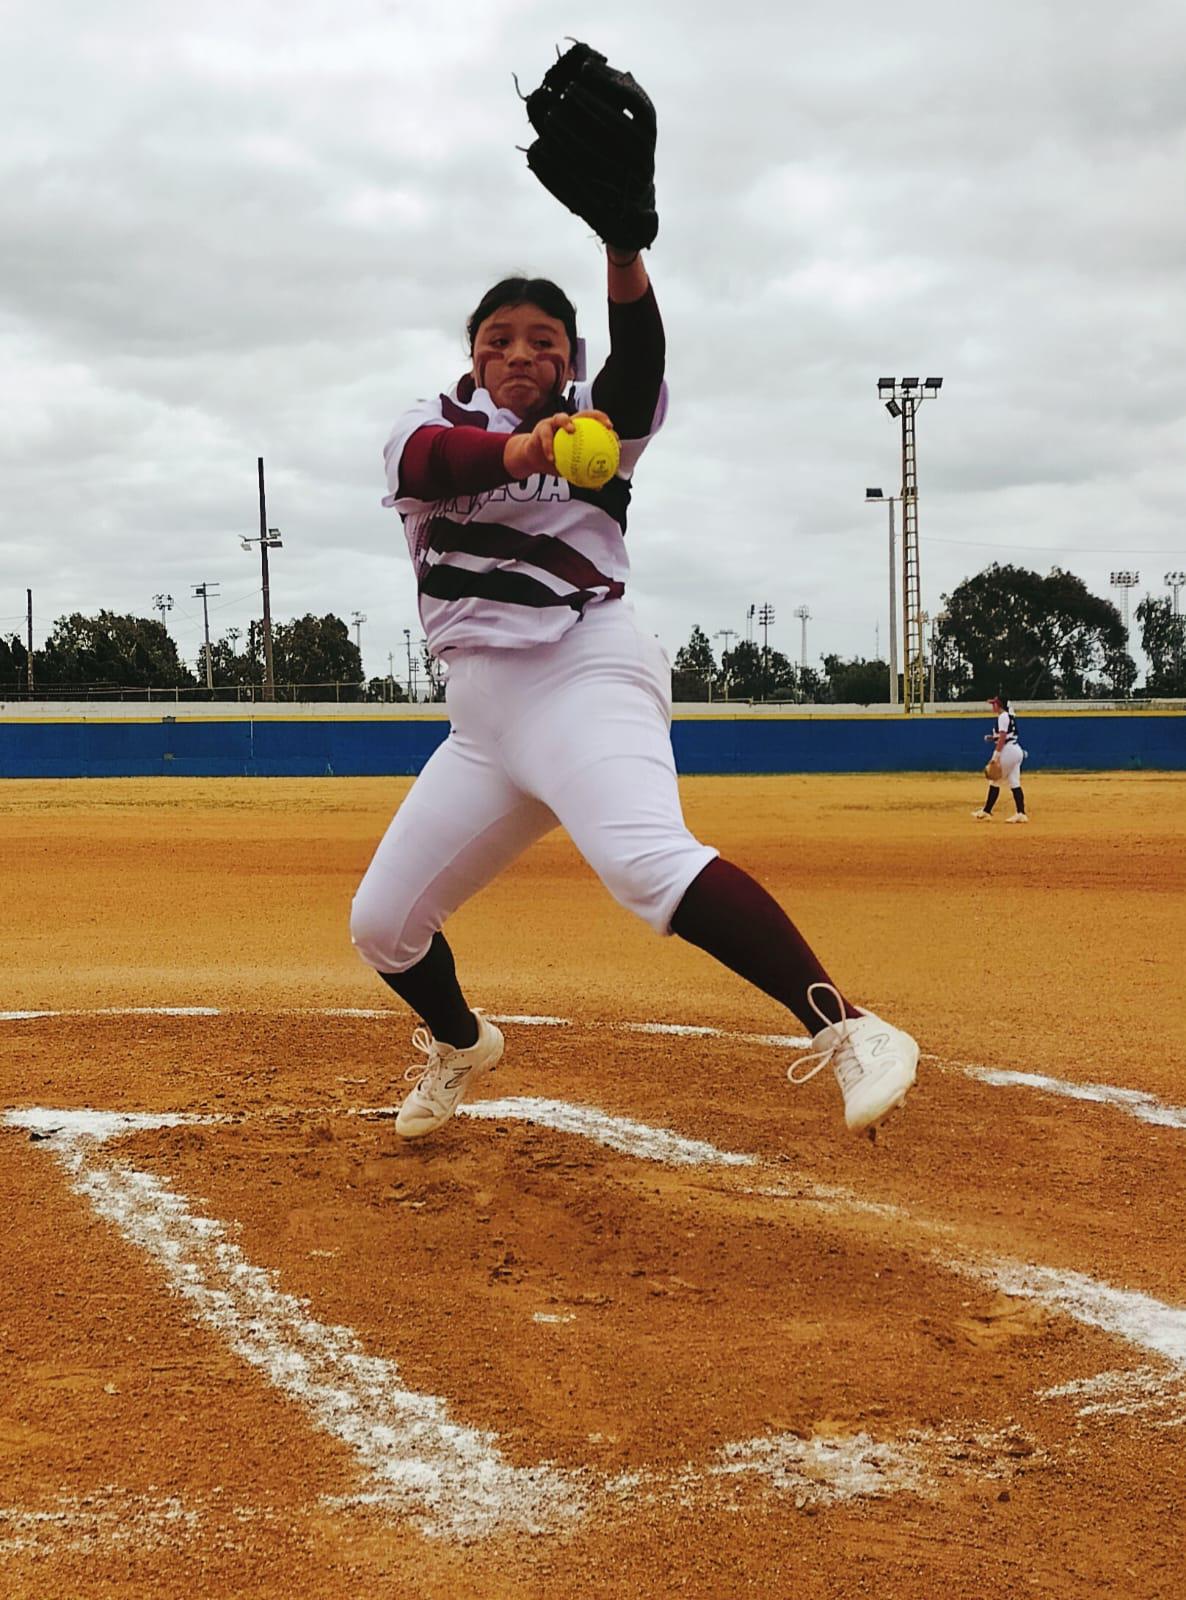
column 1011, row 758
column 575, row 733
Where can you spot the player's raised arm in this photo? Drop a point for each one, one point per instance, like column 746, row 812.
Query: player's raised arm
column 595, row 152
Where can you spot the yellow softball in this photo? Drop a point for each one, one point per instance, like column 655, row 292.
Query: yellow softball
column 589, row 455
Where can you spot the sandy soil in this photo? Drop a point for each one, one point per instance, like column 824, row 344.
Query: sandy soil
column 255, row 1345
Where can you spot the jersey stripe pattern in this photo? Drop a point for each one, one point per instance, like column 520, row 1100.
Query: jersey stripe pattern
column 514, row 566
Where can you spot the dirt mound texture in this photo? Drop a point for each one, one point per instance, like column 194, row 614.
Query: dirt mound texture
column 644, row 1320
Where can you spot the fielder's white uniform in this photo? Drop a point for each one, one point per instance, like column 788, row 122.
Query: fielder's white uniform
column 560, row 704
column 1011, row 754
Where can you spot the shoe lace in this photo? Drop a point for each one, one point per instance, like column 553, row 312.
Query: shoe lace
column 817, row 1060
column 423, row 1041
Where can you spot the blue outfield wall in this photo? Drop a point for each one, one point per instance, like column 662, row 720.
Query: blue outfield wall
column 98, row 747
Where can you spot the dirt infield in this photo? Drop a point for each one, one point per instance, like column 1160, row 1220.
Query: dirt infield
column 645, row 1321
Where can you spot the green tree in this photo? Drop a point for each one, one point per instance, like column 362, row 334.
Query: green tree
column 694, row 675
column 232, row 668
column 1035, row 637
column 113, row 651
column 857, row 682
column 1163, row 639
column 311, row 652
column 14, row 664
column 385, row 690
column 749, row 673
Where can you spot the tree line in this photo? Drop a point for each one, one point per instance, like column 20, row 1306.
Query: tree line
column 112, row 652
column 1034, row 636
column 1029, row 635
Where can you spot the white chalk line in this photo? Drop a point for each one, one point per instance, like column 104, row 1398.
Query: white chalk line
column 418, row 1461
column 1138, row 1103
column 450, row 1478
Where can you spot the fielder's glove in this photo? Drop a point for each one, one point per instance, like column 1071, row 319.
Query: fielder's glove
column 993, row 771
column 596, row 146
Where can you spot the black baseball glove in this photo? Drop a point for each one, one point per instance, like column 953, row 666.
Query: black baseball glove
column 596, row 146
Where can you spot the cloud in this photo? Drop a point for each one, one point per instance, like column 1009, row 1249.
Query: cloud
column 257, row 231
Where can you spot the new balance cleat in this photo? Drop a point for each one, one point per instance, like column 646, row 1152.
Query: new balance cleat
column 445, row 1078
column 875, row 1064
column 982, row 815
column 1019, row 817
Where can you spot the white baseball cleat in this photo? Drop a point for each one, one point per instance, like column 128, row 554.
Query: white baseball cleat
column 982, row 815
column 874, row 1063
column 445, row 1078
column 1019, row 816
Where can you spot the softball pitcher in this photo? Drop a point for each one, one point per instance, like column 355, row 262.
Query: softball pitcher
column 559, row 703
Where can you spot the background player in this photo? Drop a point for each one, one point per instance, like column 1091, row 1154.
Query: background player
column 559, row 703
column 1008, row 753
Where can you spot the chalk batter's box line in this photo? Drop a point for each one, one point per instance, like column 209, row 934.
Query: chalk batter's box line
column 1137, row 1103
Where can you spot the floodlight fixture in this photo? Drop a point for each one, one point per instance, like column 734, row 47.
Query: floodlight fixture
column 885, row 386
column 934, row 384
column 874, row 494
column 893, row 408
column 909, row 383
column 1124, row 579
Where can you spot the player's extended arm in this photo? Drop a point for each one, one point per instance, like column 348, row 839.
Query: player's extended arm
column 628, row 385
column 438, row 463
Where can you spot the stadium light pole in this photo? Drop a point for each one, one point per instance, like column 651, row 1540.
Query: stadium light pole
column 1176, row 581
column 268, row 539
column 1125, row 580
column 875, row 497
column 408, row 644
column 804, row 616
column 766, row 622
column 162, row 603
column 902, row 398
column 202, row 591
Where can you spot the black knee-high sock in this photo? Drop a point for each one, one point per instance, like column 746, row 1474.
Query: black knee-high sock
column 994, row 794
column 733, row 918
column 1019, row 799
column 434, row 994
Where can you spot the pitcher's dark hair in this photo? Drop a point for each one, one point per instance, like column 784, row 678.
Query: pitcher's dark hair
column 520, row 291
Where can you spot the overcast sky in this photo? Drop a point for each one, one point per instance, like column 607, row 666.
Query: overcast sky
column 250, row 228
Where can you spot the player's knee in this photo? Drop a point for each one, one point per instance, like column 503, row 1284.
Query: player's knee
column 651, row 882
column 385, row 937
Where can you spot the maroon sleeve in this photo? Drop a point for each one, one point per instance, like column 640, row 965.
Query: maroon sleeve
column 627, row 387
column 439, row 462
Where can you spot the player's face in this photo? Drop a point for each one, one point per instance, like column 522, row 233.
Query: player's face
column 522, row 358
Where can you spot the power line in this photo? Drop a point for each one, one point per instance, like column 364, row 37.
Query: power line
column 1059, row 549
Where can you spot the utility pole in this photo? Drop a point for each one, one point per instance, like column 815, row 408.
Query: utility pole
column 937, row 621
column 268, row 539
column 902, row 400
column 162, row 603
column 765, row 622
column 726, row 634
column 202, row 591
column 29, row 638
